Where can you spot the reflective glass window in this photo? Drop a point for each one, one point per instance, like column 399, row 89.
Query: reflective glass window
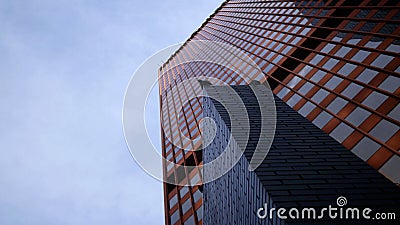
column 186, row 206
column 173, row 201
column 352, row 90
column 306, row 109
column 382, row 61
column 347, row 69
column 175, row 217
column 367, row 75
column 384, row 130
column 360, row 56
column 358, row 116
column 322, row 119
column 374, row 100
column 341, row 132
column 183, row 191
column 293, row 100
column 366, row 148
column 318, row 76
column 320, row 96
column 342, row 51
column 333, row 82
column 306, row 88
column 337, row 105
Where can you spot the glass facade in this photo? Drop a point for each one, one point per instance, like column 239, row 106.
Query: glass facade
column 336, row 62
column 305, row 167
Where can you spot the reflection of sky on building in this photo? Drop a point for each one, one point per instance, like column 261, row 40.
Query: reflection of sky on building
column 338, row 49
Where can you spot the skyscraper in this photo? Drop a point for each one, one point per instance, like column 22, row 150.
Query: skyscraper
column 333, row 62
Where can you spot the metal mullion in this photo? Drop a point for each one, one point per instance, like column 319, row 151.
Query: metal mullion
column 342, row 96
column 314, row 51
column 346, row 122
column 319, row 17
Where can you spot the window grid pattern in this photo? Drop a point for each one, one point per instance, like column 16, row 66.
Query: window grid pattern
column 334, row 62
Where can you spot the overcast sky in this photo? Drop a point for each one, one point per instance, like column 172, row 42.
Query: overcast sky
column 64, row 68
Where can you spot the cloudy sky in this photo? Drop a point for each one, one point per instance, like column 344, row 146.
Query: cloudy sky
column 64, row 68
